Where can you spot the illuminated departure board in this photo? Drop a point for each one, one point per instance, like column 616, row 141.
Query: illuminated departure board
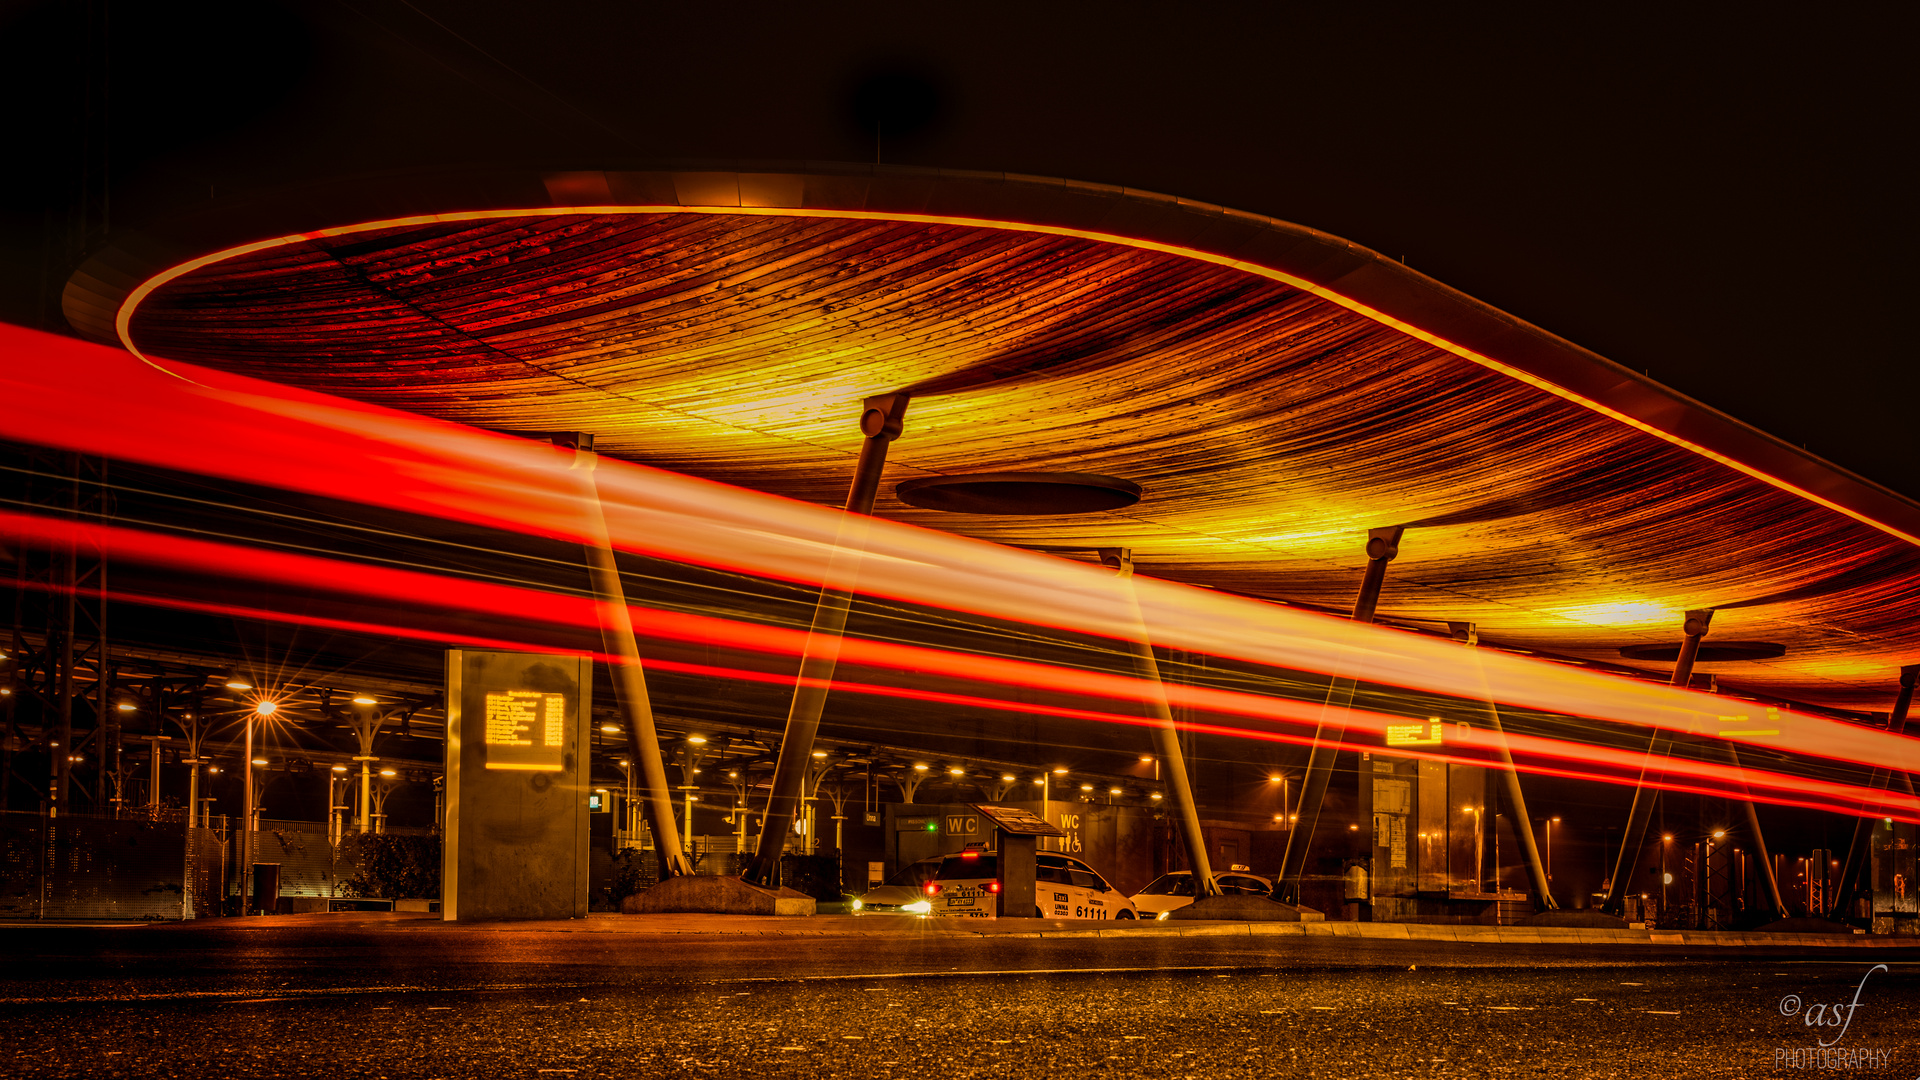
column 1431, row 733
column 525, row 729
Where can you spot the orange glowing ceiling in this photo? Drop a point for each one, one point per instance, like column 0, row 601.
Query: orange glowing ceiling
column 1276, row 391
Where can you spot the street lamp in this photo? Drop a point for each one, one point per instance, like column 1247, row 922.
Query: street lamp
column 1666, row 875
column 336, row 822
column 1551, row 822
column 265, row 708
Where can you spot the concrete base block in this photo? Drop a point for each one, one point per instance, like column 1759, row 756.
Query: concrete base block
column 1240, row 909
column 716, row 896
column 1584, row 918
column 1803, row 925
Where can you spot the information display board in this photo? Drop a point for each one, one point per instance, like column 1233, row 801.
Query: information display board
column 518, row 791
column 1017, row 821
column 526, row 729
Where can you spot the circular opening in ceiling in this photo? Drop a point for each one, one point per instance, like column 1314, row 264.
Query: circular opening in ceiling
column 1020, row 493
column 1718, row 652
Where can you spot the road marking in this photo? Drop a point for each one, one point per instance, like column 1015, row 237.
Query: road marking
column 330, row 991
column 1658, row 1012
column 1586, row 999
column 952, row 974
column 35, row 925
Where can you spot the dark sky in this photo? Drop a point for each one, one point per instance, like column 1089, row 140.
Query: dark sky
column 1719, row 196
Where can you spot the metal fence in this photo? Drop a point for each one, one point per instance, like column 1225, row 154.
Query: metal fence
column 153, row 866
column 81, row 867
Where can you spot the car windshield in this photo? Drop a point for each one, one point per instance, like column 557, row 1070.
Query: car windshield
column 1170, row 885
column 915, row 875
column 969, row 866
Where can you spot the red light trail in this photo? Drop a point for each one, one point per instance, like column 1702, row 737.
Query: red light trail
column 236, row 428
column 396, row 587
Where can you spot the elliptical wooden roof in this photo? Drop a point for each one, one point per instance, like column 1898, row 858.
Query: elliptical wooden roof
column 1276, row 391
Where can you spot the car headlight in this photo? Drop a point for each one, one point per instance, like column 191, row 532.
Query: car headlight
column 1162, row 917
column 856, row 903
column 919, row 907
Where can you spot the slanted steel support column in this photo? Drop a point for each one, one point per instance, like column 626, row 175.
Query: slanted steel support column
column 629, row 678
column 1759, row 841
column 1510, row 786
column 1658, row 747
column 880, row 421
column 1166, row 737
column 1382, row 546
column 1858, row 849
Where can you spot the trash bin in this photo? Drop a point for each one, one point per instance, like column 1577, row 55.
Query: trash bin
column 266, row 888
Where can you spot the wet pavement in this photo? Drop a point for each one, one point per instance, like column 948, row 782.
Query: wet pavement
column 398, row 997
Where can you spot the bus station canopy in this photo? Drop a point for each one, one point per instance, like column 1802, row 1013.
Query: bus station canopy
column 1275, row 392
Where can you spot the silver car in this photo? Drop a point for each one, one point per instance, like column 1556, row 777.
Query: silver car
column 905, row 893
column 1170, row 892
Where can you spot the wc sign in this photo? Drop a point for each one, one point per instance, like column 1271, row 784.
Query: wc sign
column 963, row 825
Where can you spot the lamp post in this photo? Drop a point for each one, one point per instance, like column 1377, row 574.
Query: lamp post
column 1479, row 849
column 336, row 810
column 627, row 828
column 690, row 765
column 1551, row 822
column 1666, row 875
column 264, row 708
column 1496, row 850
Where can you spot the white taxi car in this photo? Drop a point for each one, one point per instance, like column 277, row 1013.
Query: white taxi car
column 968, row 884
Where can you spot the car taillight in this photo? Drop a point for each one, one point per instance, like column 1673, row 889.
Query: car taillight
column 933, row 888
column 993, row 886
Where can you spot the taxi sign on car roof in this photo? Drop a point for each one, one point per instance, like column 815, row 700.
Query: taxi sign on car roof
column 1017, row 822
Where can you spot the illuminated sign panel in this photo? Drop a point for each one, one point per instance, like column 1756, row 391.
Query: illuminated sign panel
column 1016, row 821
column 518, row 794
column 526, row 729
column 1431, row 733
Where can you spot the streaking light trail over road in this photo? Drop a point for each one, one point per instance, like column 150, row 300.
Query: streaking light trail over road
column 241, row 429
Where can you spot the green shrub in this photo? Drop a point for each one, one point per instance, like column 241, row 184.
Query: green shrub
column 631, row 872
column 401, row 867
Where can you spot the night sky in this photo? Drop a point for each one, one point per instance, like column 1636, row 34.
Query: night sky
column 1718, row 196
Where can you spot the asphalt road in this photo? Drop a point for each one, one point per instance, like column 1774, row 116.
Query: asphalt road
column 398, row 999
